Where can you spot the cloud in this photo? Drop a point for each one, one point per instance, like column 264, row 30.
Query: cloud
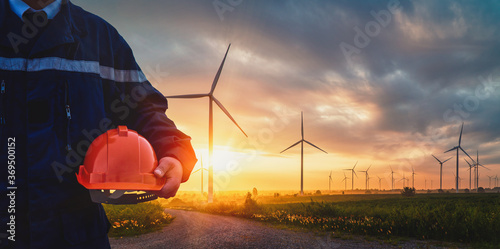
column 432, row 66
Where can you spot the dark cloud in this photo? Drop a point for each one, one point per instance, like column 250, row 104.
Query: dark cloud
column 410, row 87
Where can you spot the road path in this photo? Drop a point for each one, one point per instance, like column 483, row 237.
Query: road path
column 200, row 230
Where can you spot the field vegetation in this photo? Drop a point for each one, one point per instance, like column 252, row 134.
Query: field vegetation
column 469, row 218
column 129, row 220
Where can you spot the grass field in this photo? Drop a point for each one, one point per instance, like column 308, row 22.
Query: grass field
column 469, row 218
column 129, row 220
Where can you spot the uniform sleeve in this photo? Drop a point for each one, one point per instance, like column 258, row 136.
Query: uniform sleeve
column 147, row 108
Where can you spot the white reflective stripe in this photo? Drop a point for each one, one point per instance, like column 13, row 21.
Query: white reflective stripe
column 61, row 64
column 122, row 75
column 12, row 64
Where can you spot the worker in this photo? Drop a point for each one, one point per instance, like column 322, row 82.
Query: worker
column 67, row 76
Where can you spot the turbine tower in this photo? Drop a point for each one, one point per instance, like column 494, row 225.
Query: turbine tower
column 441, row 171
column 330, row 182
column 211, row 100
column 201, row 169
column 413, row 177
column 459, row 147
column 404, row 180
column 489, row 185
column 366, row 177
column 352, row 174
column 345, row 180
column 379, row 183
column 477, row 169
column 302, row 141
column 392, row 179
column 470, row 173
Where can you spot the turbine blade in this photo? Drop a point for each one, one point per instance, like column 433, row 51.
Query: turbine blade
column 461, row 130
column 355, row 165
column 227, row 113
column 315, row 146
column 187, row 96
column 302, row 124
column 355, row 173
column 447, row 159
column 291, row 146
column 216, row 79
column 454, row 148
column 436, row 159
column 483, row 166
column 195, row 171
column 466, row 154
column 368, row 168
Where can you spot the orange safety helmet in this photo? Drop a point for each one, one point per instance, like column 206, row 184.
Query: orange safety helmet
column 120, row 160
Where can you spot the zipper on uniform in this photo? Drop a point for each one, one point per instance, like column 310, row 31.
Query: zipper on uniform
column 2, row 97
column 68, row 115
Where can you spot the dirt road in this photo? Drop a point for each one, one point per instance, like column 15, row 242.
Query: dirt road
column 200, row 230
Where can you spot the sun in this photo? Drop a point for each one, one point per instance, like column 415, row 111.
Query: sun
column 223, row 158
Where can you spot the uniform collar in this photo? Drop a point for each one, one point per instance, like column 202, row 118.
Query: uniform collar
column 19, row 7
column 64, row 28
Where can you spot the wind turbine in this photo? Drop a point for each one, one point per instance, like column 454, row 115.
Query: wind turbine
column 330, row 182
column 352, row 174
column 457, row 148
column 441, row 171
column 302, row 141
column 345, row 180
column 366, row 177
column 470, row 172
column 211, row 100
column 201, row 169
column 379, row 183
column 392, row 179
column 404, row 180
column 413, row 177
column 496, row 181
column 489, row 185
column 477, row 169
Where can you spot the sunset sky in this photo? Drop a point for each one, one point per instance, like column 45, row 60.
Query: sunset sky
column 379, row 82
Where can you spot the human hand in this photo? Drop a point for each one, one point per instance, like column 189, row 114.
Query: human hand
column 171, row 169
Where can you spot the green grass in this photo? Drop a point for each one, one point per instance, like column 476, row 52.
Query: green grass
column 131, row 220
column 469, row 218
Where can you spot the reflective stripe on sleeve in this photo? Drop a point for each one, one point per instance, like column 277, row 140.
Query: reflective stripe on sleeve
column 80, row 66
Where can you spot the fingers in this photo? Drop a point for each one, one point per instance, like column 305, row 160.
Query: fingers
column 171, row 169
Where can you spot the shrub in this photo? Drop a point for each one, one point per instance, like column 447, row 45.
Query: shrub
column 480, row 190
column 129, row 220
column 318, row 192
column 407, row 192
column 255, row 192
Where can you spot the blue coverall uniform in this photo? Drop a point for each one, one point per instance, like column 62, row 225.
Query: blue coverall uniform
column 60, row 89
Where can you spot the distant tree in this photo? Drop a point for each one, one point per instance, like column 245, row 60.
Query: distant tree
column 480, row 190
column 466, row 190
column 254, row 192
column 318, row 192
column 276, row 195
column 440, row 191
column 407, row 192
